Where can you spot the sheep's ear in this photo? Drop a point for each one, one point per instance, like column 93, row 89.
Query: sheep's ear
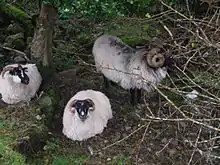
column 72, row 107
column 91, row 104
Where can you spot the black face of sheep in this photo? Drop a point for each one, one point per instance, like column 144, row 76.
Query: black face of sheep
column 83, row 107
column 169, row 63
column 20, row 73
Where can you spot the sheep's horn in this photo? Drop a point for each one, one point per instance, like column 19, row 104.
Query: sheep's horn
column 73, row 103
column 91, row 104
column 6, row 69
column 154, row 58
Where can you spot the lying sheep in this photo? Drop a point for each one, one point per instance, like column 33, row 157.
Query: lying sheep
column 86, row 114
column 19, row 83
column 122, row 64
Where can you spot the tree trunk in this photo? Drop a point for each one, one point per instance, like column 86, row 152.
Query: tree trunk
column 41, row 48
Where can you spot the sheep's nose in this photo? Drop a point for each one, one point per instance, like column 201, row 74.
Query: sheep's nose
column 26, row 81
column 83, row 116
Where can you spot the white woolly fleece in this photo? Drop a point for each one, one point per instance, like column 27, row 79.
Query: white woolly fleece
column 119, row 63
column 13, row 92
column 74, row 128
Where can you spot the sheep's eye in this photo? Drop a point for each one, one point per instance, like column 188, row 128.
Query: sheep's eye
column 12, row 72
column 25, row 69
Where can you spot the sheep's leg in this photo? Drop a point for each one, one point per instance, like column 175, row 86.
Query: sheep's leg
column 133, row 98
column 2, row 103
column 139, row 95
column 106, row 82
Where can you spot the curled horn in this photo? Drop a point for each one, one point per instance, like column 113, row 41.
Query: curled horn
column 6, row 69
column 91, row 104
column 154, row 58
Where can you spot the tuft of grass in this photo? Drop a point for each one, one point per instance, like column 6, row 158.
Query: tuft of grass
column 71, row 159
column 121, row 160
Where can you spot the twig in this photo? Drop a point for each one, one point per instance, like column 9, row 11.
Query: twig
column 119, row 141
column 18, row 52
column 158, row 152
column 195, row 146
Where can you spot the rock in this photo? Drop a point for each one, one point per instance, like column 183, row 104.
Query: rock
column 14, row 28
column 11, row 38
column 19, row 59
column 15, row 41
column 8, row 45
column 18, row 44
column 45, row 101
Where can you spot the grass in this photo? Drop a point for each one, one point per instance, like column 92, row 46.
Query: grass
column 7, row 155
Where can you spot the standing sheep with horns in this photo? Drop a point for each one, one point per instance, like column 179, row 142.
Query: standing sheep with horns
column 86, row 114
column 19, row 83
column 133, row 69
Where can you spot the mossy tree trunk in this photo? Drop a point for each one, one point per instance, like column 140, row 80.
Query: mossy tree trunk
column 41, row 48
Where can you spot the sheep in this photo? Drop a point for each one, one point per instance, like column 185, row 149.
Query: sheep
column 86, row 114
column 19, row 83
column 126, row 66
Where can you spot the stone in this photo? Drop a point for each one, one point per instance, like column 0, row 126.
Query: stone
column 14, row 28
column 19, row 59
column 45, row 101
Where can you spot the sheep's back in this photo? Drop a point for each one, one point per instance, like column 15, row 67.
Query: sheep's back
column 112, row 57
column 141, row 73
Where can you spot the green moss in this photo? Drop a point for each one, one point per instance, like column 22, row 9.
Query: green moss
column 176, row 98
column 121, row 160
column 71, row 159
column 16, row 14
column 18, row 44
column 133, row 41
column 208, row 79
